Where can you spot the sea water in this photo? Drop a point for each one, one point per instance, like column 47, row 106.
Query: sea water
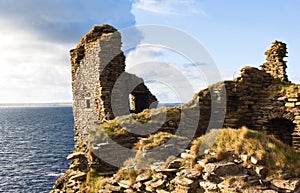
column 34, row 143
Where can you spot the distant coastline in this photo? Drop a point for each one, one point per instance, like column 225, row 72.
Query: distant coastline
column 168, row 104
column 65, row 104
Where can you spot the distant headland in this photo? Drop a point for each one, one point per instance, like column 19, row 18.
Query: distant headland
column 65, row 104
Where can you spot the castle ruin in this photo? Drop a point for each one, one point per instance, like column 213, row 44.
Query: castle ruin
column 253, row 99
column 260, row 99
column 97, row 65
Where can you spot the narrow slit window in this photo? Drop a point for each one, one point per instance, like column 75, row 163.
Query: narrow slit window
column 87, row 103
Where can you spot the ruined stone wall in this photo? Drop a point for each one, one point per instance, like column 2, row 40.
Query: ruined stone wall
column 112, row 65
column 257, row 100
column 130, row 95
column 290, row 111
column 243, row 96
column 84, row 83
column 98, row 67
column 275, row 64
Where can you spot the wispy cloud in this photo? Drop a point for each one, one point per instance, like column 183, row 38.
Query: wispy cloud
column 168, row 75
column 33, row 69
column 173, row 7
column 36, row 36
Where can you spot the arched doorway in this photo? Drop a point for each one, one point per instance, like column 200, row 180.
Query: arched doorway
column 282, row 129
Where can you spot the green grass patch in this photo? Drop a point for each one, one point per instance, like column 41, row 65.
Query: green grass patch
column 94, row 182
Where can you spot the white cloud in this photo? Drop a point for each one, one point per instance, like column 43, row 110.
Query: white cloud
column 142, row 54
column 65, row 21
column 173, row 7
column 168, row 75
column 36, row 37
column 33, row 69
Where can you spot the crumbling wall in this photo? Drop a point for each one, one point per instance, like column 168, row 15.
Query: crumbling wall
column 259, row 99
column 275, row 64
column 98, row 65
column 290, row 111
column 244, row 97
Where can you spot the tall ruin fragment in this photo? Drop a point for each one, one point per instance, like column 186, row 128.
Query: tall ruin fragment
column 98, row 70
column 275, row 63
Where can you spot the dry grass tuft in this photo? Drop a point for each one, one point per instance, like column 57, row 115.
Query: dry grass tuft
column 126, row 174
column 153, row 141
column 164, row 117
column 271, row 152
column 113, row 128
column 142, row 117
column 131, row 170
column 110, row 129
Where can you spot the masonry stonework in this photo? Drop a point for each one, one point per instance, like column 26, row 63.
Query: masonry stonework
column 262, row 100
column 257, row 100
column 275, row 64
column 97, row 65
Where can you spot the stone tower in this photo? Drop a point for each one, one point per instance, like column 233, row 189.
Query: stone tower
column 275, row 64
column 97, row 65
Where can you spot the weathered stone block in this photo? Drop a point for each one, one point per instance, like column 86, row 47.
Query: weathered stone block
column 290, row 104
column 222, row 169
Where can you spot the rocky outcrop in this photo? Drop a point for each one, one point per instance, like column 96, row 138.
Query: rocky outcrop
column 208, row 173
column 72, row 179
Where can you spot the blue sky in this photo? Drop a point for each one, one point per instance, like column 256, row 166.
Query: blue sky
column 36, row 36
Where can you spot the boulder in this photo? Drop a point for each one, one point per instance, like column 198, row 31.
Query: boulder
column 161, row 191
column 291, row 185
column 254, row 160
column 175, row 164
column 79, row 176
column 244, row 157
column 189, row 173
column 124, row 184
column 75, row 155
column 113, row 188
column 222, row 168
column 70, row 184
column 262, row 171
column 143, row 177
column 209, row 186
column 158, row 183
